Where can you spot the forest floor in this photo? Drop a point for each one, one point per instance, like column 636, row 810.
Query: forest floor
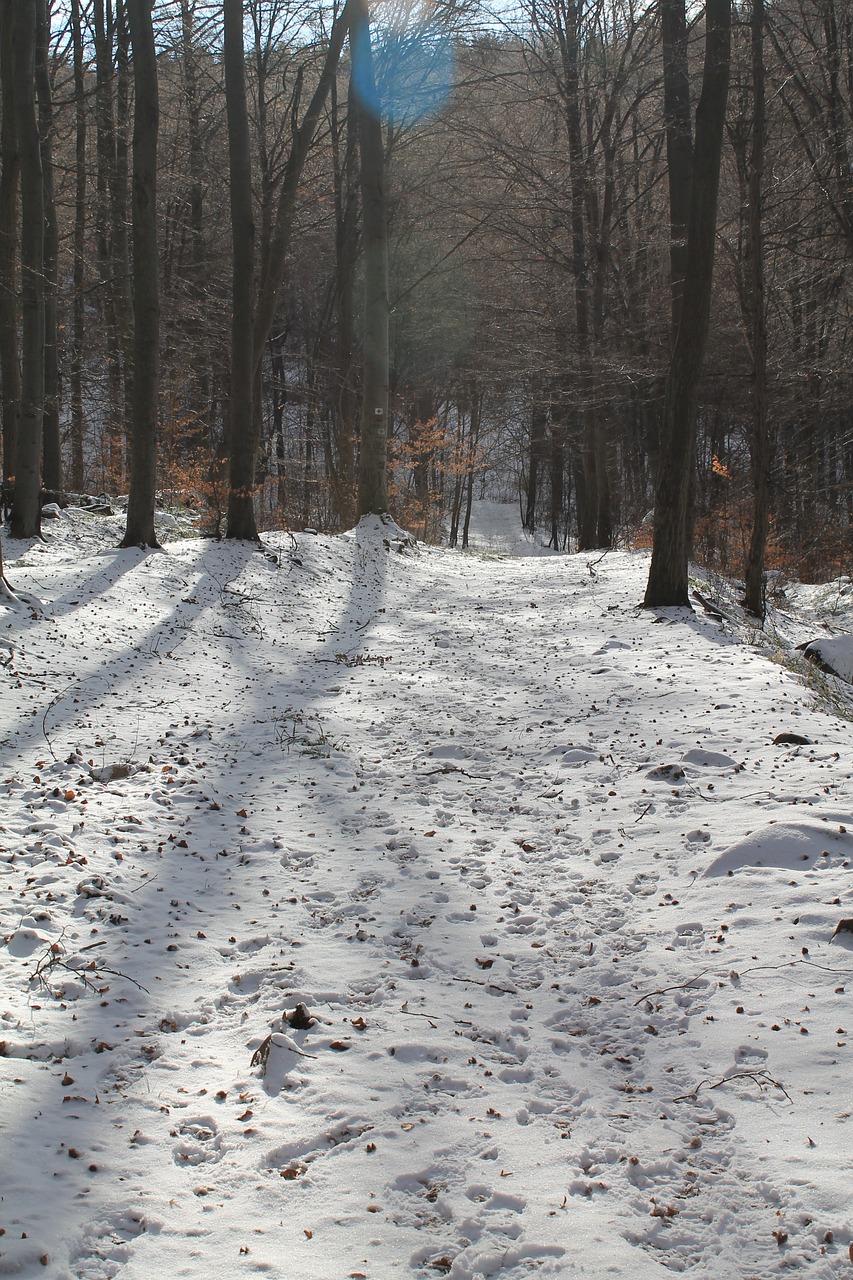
column 561, row 910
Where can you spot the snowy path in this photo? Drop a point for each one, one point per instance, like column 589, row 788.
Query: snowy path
column 529, row 856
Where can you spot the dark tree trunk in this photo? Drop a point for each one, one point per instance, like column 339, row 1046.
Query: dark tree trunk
column 103, row 30
column 25, row 505
column 78, row 326
column 146, row 293
column 473, row 442
column 538, row 427
column 10, row 368
column 588, row 512
column 667, row 584
column 762, row 440
column 119, row 194
column 52, row 449
column 346, row 249
column 241, row 509
column 373, row 455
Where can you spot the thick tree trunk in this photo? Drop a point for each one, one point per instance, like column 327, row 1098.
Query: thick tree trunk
column 373, row 454
column 25, row 505
column 667, row 584
column 241, row 509
column 10, row 368
column 146, row 293
column 52, row 449
column 762, row 440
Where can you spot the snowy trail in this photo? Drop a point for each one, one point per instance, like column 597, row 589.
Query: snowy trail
column 560, row 910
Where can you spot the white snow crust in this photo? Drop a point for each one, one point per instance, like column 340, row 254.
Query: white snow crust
column 563, row 917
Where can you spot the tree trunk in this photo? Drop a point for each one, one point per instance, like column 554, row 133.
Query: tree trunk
column 762, row 441
column 667, row 584
column 373, row 455
column 473, row 441
column 10, row 368
column 146, row 293
column 346, row 249
column 78, row 326
column 52, row 449
column 241, row 509
column 25, row 506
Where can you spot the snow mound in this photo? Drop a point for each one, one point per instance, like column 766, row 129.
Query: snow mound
column 784, row 845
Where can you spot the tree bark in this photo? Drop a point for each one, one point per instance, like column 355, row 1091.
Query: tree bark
column 139, row 530
column 241, row 508
column 25, row 506
column 346, row 251
column 52, row 449
column 373, row 455
column 10, row 368
column 762, row 442
column 78, row 324
column 668, row 583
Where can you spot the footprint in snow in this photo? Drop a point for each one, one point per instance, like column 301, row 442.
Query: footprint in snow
column 199, row 1142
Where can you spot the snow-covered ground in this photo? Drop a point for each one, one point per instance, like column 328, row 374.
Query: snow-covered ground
column 561, row 910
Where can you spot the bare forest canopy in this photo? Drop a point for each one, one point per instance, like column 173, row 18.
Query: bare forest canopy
column 461, row 249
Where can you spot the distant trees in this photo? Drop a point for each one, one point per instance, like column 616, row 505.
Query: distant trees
column 490, row 247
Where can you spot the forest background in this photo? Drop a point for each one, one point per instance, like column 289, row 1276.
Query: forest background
column 531, row 244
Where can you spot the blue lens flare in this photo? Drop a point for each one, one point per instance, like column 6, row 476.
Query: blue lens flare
column 413, row 71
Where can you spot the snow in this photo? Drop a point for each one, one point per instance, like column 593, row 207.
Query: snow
column 561, row 913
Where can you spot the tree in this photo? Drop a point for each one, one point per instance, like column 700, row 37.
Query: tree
column 10, row 369
column 26, row 504
column 761, row 442
column 139, row 530
column 78, row 299
column 52, row 448
column 243, row 448
column 667, row 583
column 373, row 455
column 241, row 517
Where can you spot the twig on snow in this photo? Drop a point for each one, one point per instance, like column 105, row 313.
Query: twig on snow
column 678, row 986
column 762, row 1078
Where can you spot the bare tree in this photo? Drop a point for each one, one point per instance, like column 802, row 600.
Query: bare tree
column 373, row 456
column 667, row 584
column 139, row 530
column 10, row 369
column 241, row 516
column 26, row 504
